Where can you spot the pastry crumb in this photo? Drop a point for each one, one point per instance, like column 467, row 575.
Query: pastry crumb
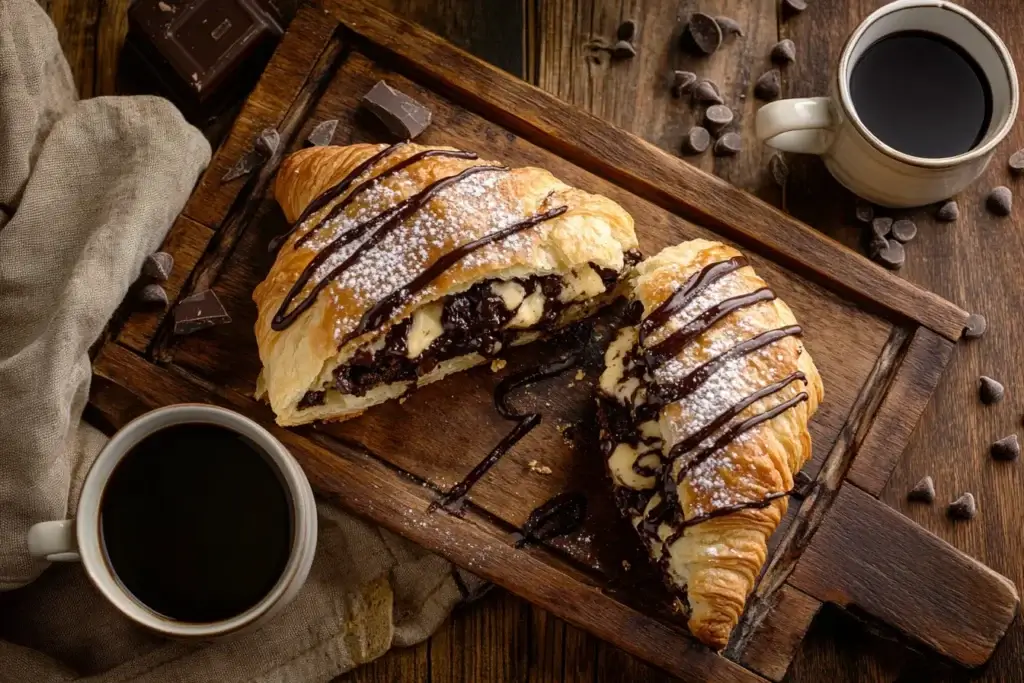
column 403, row 400
column 626, row 565
column 572, row 384
column 498, row 364
column 535, row 466
column 580, row 375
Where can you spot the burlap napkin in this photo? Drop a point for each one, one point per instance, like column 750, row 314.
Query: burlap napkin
column 87, row 190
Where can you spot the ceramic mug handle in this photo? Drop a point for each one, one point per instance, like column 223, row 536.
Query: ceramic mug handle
column 803, row 125
column 54, row 541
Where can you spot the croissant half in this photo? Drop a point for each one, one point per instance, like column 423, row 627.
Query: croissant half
column 408, row 263
column 704, row 404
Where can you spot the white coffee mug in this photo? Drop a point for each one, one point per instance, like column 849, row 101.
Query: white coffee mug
column 80, row 538
column 830, row 126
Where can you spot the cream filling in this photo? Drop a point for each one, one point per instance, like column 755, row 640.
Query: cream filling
column 585, row 284
column 425, row 328
column 530, row 311
column 512, row 293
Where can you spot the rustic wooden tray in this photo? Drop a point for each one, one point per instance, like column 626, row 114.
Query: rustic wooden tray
column 880, row 344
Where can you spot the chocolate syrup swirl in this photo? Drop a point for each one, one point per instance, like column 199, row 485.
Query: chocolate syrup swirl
column 377, row 228
column 382, row 311
column 559, row 516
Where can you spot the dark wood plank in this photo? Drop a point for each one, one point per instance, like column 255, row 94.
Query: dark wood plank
column 776, row 639
column 126, row 385
column 869, row 556
column 405, row 664
column 76, row 22
column 900, row 412
column 110, row 32
column 643, row 169
column 458, row 650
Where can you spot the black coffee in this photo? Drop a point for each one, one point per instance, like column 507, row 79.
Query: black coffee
column 922, row 94
column 196, row 523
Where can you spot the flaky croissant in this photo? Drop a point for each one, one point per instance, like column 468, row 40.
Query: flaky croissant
column 704, row 404
column 408, row 263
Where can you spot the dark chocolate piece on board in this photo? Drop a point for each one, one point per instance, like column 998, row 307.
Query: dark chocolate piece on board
column 403, row 116
column 729, row 26
column 323, row 133
column 728, row 145
column 892, row 256
column 768, row 86
column 963, row 507
column 1017, row 161
column 876, row 243
column 248, row 163
column 199, row 312
column 717, row 117
column 703, row 33
column 976, row 326
column 627, row 30
column 904, row 230
column 1007, row 448
column 779, row 169
column 697, row 140
column 881, row 226
column 706, row 91
column 990, row 391
column 268, row 142
column 802, row 483
column 791, row 7
column 682, row 82
column 153, row 294
column 923, row 491
column 623, row 50
column 783, row 52
column 1000, row 201
column 158, row 266
column 864, row 212
column 948, row 212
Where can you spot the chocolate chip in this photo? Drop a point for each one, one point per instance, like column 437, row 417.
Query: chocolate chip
column 158, row 266
column 976, row 326
column 892, row 256
column 706, row 91
column 1007, row 448
column 904, row 230
column 948, row 212
column 623, row 50
column 728, row 145
column 881, row 226
column 864, row 212
column 249, row 162
column 322, row 133
column 403, row 116
column 779, row 170
column 783, row 52
column 198, row 312
column 768, row 86
column 963, row 507
column 1000, row 201
column 729, row 26
column 875, row 244
column 153, row 294
column 717, row 117
column 1017, row 161
column 990, row 391
column 923, row 491
column 627, row 30
column 697, row 140
column 791, row 7
column 702, row 32
column 268, row 142
column 682, row 82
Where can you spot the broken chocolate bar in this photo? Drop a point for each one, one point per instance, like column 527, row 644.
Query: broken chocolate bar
column 199, row 312
column 323, row 133
column 403, row 116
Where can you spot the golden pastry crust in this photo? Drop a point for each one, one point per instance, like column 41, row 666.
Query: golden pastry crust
column 299, row 358
column 716, row 561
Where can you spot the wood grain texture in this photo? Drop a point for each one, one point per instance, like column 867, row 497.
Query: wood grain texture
column 76, row 22
column 869, row 556
column 110, row 32
column 776, row 639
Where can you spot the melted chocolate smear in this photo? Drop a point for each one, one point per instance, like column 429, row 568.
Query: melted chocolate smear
column 560, row 516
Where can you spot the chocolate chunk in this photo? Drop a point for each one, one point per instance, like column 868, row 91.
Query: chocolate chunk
column 783, row 52
column 881, row 226
column 322, row 133
column 1017, row 161
column 874, row 244
column 904, row 230
column 153, row 294
column 990, row 391
column 779, row 170
column 728, row 145
column 627, row 30
column 403, row 116
column 864, row 212
column 249, row 162
column 198, row 312
column 682, row 82
column 158, row 266
column 892, row 256
column 717, row 117
column 948, row 212
column 923, row 491
column 802, row 484
column 963, row 507
column 1000, row 201
column 1007, row 448
column 976, row 326
column 729, row 27
column 697, row 140
column 267, row 143
column 768, row 86
column 702, row 33
column 706, row 92
column 623, row 50
column 791, row 7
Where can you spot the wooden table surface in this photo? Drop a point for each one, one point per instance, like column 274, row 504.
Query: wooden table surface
column 975, row 263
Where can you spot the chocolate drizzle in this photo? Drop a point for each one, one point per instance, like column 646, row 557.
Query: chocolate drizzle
column 559, row 516
column 688, row 292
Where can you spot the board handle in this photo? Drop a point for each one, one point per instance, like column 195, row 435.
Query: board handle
column 868, row 555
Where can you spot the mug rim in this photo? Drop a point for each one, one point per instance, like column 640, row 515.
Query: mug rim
column 89, row 535
column 926, row 162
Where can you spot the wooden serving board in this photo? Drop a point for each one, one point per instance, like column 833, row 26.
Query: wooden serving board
column 880, row 344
